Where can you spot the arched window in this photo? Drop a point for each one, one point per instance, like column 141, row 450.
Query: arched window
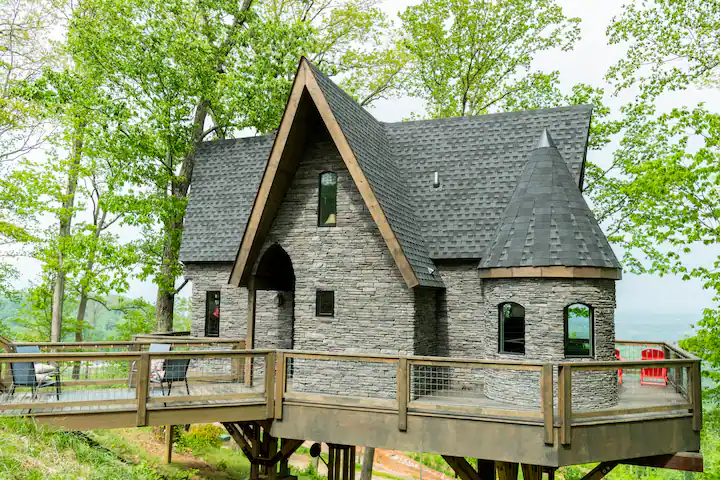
column 327, row 209
column 511, row 328
column 579, row 326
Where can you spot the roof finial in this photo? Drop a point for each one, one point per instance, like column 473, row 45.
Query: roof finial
column 546, row 140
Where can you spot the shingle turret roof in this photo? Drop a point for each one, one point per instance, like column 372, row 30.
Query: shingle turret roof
column 547, row 221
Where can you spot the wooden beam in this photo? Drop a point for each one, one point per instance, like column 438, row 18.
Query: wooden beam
column 463, row 469
column 280, row 384
column 546, row 395
column 250, row 340
column 142, row 387
column 565, row 403
column 507, row 470
column 600, row 471
column 532, row 472
column 270, row 384
column 696, row 389
column 551, row 272
column 486, row 469
column 168, row 444
column 402, row 393
column 683, row 461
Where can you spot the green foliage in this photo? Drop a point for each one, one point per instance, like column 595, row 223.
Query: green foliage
column 468, row 57
column 200, row 437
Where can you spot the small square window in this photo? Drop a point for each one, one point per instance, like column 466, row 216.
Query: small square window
column 325, row 303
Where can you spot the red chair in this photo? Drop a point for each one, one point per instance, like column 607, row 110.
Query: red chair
column 657, row 376
column 618, row 357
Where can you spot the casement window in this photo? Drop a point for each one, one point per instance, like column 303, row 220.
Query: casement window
column 327, row 208
column 212, row 314
column 325, row 303
column 579, row 326
column 511, row 328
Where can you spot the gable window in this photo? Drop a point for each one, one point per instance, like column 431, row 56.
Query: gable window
column 325, row 303
column 578, row 330
column 327, row 209
column 212, row 314
column 512, row 328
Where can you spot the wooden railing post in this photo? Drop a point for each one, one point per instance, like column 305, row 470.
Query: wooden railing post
column 403, row 383
column 142, row 387
column 280, row 374
column 565, row 403
column 546, row 394
column 696, row 395
column 270, row 383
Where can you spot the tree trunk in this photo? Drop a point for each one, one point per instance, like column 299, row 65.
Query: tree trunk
column 367, row 463
column 164, row 304
column 64, row 231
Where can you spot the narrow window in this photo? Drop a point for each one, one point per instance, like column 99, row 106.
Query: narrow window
column 327, row 210
column 578, row 330
column 512, row 328
column 325, row 303
column 212, row 314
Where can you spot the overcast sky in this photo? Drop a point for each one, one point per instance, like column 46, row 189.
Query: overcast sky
column 587, row 63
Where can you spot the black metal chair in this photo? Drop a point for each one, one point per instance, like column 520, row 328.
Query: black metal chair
column 23, row 375
column 174, row 370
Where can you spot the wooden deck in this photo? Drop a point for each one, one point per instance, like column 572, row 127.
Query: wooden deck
column 106, row 389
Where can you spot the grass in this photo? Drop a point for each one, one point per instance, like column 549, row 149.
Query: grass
column 32, row 452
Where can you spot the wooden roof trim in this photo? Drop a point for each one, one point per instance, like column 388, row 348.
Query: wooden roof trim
column 305, row 81
column 240, row 267
column 551, row 272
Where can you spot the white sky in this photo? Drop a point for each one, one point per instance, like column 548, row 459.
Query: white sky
column 587, row 63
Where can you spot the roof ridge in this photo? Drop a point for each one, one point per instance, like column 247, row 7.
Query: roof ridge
column 580, row 107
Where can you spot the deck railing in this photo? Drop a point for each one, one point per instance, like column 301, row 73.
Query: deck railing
column 530, row 393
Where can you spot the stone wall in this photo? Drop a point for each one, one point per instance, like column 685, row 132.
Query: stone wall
column 544, row 301
column 374, row 310
column 233, row 300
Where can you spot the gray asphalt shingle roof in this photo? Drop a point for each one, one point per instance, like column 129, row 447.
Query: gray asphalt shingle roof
column 478, row 159
column 547, row 221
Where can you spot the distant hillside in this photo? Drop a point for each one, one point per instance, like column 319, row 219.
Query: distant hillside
column 667, row 327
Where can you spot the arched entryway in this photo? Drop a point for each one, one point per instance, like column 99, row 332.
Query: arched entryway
column 272, row 300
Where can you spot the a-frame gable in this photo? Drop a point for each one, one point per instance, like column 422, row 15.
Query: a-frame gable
column 306, row 96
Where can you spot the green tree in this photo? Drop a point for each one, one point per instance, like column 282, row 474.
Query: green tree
column 184, row 71
column 660, row 194
column 469, row 57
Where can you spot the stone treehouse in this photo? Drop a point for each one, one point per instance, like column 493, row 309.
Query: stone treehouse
column 462, row 237
column 432, row 286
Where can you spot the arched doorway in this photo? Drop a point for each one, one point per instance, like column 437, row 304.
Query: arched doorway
column 273, row 286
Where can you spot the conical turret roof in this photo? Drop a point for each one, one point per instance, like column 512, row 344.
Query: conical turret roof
column 547, row 221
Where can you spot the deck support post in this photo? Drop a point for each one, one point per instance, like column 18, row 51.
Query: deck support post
column 465, row 471
column 486, row 468
column 169, row 430
column 341, row 462
column 532, row 472
column 507, row 470
column 267, row 461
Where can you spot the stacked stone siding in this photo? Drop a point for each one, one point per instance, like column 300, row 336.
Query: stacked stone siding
column 233, row 300
column 544, row 300
column 374, row 310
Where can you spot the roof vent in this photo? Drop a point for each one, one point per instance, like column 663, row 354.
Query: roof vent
column 436, row 180
column 546, row 140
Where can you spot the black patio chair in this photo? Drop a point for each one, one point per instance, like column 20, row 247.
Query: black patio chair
column 174, row 370
column 23, row 375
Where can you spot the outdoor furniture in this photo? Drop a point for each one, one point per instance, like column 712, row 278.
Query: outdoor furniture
column 653, row 376
column 155, row 365
column 174, row 370
column 24, row 374
column 620, row 372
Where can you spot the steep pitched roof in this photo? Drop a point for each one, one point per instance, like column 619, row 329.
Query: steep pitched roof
column 369, row 142
column 363, row 146
column 225, row 183
column 547, row 221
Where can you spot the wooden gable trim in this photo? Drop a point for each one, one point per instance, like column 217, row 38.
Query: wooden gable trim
column 305, row 82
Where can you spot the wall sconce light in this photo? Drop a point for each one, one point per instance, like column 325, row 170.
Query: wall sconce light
column 280, row 299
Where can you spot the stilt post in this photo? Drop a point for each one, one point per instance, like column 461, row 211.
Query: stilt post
column 168, row 444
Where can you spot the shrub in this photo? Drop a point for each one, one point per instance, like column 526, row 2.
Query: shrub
column 200, row 437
